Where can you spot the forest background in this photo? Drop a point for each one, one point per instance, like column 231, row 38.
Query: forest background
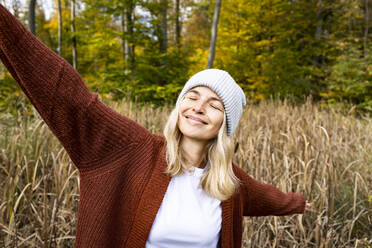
column 146, row 50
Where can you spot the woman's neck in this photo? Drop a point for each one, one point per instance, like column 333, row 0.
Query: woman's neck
column 194, row 151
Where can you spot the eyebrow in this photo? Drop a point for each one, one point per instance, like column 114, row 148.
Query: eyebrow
column 211, row 98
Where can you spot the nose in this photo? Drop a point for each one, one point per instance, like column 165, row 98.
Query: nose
column 198, row 107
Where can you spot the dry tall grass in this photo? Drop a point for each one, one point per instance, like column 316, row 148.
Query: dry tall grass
column 325, row 155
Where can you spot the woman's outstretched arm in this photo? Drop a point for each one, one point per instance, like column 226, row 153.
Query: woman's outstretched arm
column 260, row 199
column 89, row 130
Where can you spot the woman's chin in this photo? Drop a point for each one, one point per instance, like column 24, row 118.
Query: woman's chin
column 197, row 132
column 199, row 135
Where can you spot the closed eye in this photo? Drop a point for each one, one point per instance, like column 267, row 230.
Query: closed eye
column 192, row 98
column 215, row 107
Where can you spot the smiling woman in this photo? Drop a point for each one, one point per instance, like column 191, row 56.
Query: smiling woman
column 198, row 131
column 200, row 114
column 203, row 177
column 140, row 189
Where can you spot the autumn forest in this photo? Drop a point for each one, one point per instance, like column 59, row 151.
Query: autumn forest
column 146, row 50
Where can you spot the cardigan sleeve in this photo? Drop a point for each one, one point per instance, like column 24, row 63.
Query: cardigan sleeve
column 260, row 199
column 90, row 131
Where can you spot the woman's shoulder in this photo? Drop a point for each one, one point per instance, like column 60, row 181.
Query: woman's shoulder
column 157, row 140
column 238, row 171
column 152, row 143
column 159, row 137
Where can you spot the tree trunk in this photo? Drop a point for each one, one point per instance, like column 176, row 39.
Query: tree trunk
column 178, row 27
column 74, row 42
column 214, row 34
column 124, row 42
column 32, row 26
column 318, row 31
column 164, row 35
column 31, row 16
column 59, row 49
column 164, row 31
column 131, row 48
column 366, row 26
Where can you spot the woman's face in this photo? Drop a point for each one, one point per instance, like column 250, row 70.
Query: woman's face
column 201, row 113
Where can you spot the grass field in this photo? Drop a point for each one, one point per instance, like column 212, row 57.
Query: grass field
column 322, row 153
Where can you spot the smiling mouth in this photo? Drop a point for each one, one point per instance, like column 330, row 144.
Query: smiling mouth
column 196, row 121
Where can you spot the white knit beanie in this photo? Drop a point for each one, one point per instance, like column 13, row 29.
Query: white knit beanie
column 226, row 88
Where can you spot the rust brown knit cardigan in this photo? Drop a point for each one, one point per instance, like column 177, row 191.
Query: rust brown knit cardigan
column 120, row 162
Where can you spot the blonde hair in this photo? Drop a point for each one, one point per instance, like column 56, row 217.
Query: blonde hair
column 219, row 180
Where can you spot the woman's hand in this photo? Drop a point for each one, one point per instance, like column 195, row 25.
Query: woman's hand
column 307, row 205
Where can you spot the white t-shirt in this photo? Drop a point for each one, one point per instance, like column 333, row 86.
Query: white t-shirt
column 187, row 217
